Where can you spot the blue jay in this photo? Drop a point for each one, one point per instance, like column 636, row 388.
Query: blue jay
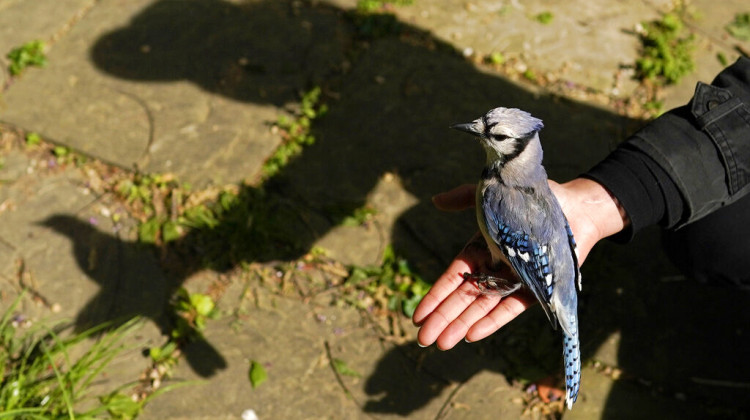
column 525, row 228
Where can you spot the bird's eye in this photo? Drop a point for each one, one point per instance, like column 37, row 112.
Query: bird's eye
column 498, row 137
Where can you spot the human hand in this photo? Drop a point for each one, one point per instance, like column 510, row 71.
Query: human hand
column 455, row 309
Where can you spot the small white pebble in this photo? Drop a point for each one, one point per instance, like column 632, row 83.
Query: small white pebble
column 249, row 415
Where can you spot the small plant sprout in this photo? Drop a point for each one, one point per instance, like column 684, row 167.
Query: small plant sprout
column 33, row 139
column 296, row 132
column 545, row 18
column 740, row 27
column 667, row 51
column 27, row 55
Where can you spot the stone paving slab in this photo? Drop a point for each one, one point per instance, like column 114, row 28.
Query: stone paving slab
column 56, row 244
column 290, row 340
column 110, row 92
column 190, row 87
column 564, row 45
column 708, row 20
column 592, row 46
column 23, row 21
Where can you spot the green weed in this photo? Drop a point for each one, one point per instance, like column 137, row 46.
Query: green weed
column 41, row 381
column 155, row 199
column 33, row 139
column 392, row 285
column 29, row 54
column 256, row 374
column 296, row 132
column 740, row 27
column 142, row 188
column 343, row 369
column 221, row 223
column 370, row 6
column 359, row 217
column 65, row 156
column 166, row 355
column 190, row 312
column 496, row 58
column 545, row 18
column 225, row 227
column 653, row 106
column 666, row 55
column 60, row 151
column 722, row 59
column 194, row 309
column 530, row 75
column 244, row 225
column 372, row 19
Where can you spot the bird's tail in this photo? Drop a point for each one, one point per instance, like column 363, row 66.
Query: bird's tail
column 572, row 360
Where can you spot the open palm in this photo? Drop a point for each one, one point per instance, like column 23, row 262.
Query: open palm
column 455, row 309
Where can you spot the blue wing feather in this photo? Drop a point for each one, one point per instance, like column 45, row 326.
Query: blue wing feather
column 526, row 255
column 574, row 253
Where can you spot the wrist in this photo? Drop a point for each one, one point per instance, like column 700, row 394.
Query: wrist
column 600, row 207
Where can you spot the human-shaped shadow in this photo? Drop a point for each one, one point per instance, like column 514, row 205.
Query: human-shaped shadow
column 133, row 283
column 256, row 51
column 393, row 90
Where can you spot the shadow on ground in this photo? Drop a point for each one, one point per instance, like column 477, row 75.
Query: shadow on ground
column 393, row 90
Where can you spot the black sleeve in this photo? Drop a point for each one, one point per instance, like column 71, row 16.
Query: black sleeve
column 688, row 162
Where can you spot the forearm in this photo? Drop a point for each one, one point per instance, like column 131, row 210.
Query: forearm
column 599, row 205
column 690, row 161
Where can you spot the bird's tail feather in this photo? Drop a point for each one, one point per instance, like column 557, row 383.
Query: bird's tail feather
column 572, row 360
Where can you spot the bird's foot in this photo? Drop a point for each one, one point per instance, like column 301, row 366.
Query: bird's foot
column 548, row 391
column 491, row 285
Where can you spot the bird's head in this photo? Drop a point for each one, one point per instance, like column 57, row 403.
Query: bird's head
column 504, row 132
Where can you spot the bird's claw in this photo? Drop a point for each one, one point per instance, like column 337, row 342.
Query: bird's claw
column 491, row 285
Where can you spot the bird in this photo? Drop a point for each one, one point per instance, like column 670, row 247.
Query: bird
column 525, row 228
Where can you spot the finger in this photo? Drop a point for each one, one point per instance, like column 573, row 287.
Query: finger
column 475, row 311
column 467, row 260
column 458, row 328
column 443, row 287
column 437, row 323
column 450, row 296
column 508, row 309
column 459, row 198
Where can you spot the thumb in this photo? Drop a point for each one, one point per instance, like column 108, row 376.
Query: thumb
column 459, row 198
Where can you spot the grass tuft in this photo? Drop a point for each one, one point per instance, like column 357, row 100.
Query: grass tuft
column 42, row 381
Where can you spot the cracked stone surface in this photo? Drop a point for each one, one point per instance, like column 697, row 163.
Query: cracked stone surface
column 193, row 88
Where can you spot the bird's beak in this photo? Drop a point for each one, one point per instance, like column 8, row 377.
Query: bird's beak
column 473, row 128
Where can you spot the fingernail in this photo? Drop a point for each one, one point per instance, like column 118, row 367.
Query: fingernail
column 421, row 345
column 467, row 340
